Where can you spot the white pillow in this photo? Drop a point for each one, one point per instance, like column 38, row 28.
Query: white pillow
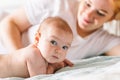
column 2, row 14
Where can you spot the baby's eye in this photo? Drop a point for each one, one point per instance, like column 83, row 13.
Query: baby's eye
column 65, row 47
column 53, row 42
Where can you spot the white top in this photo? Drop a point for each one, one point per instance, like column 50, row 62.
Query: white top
column 94, row 44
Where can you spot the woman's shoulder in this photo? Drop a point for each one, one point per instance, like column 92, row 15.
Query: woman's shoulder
column 103, row 34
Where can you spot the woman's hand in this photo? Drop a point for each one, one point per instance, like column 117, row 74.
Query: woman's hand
column 52, row 68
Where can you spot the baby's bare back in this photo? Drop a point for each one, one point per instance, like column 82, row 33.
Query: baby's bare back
column 25, row 62
column 13, row 65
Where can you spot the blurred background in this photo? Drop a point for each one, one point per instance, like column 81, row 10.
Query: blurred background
column 10, row 5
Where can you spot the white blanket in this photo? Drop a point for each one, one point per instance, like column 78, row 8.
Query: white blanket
column 96, row 68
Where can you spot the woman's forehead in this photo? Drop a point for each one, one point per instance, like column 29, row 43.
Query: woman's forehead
column 105, row 5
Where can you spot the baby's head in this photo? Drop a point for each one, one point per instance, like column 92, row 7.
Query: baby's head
column 54, row 38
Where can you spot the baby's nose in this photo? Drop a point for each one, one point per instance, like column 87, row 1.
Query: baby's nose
column 58, row 50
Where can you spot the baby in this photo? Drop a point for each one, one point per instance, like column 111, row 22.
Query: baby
column 52, row 41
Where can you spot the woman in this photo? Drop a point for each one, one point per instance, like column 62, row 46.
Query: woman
column 85, row 18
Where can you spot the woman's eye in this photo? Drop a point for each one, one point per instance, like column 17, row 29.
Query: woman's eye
column 87, row 4
column 65, row 47
column 53, row 42
column 100, row 13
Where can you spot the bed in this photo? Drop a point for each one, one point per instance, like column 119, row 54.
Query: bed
column 95, row 68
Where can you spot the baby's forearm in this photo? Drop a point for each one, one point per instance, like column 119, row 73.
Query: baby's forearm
column 50, row 69
column 38, row 71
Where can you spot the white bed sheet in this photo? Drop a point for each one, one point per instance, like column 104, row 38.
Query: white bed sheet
column 96, row 68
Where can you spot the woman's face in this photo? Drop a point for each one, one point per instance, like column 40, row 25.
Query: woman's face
column 92, row 14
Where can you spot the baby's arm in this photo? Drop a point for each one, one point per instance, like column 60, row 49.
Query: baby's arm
column 52, row 68
column 35, row 63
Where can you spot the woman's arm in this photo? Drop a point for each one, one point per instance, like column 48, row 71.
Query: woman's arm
column 115, row 51
column 11, row 28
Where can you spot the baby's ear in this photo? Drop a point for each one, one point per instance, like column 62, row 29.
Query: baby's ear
column 37, row 36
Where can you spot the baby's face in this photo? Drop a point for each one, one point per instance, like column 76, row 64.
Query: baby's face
column 54, row 45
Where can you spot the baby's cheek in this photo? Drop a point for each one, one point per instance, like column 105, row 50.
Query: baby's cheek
column 63, row 58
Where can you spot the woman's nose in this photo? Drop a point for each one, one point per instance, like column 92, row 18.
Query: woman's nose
column 90, row 14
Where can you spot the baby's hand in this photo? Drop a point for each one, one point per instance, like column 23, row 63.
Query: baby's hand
column 52, row 68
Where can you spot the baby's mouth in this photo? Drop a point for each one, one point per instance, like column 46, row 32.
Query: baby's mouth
column 55, row 57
